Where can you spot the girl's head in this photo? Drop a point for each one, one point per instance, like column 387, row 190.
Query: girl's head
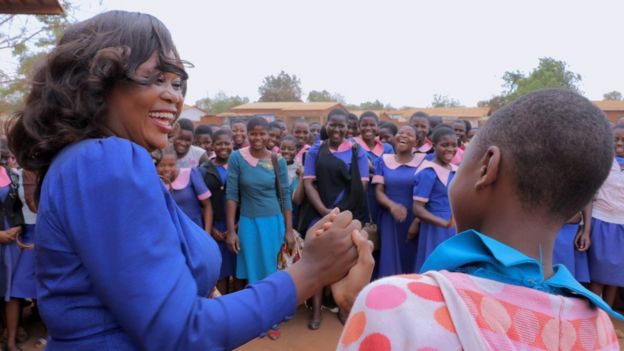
column 203, row 137
column 315, row 132
column 406, row 139
column 258, row 133
column 301, row 131
column 387, row 132
column 116, row 73
column 434, row 121
column 444, row 143
column 166, row 165
column 460, row 130
column 527, row 158
column 368, row 125
column 420, row 121
column 289, row 147
column 239, row 133
column 471, row 133
column 275, row 135
column 618, row 139
column 352, row 125
column 222, row 144
column 183, row 137
column 336, row 126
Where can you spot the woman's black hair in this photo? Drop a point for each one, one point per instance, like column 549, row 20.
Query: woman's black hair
column 257, row 122
column 67, row 101
column 441, row 131
column 369, row 114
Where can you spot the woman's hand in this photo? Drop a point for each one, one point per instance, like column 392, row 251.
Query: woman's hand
column 412, row 231
column 5, row 237
column 451, row 222
column 290, row 239
column 217, row 234
column 232, row 242
column 398, row 212
column 582, row 241
column 346, row 290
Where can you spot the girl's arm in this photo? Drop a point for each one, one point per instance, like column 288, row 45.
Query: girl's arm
column 207, row 214
column 314, row 197
column 232, row 195
column 398, row 211
column 583, row 240
column 421, row 212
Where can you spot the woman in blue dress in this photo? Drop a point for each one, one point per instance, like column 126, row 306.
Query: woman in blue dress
column 215, row 176
column 394, row 183
column 431, row 202
column 119, row 266
column 572, row 243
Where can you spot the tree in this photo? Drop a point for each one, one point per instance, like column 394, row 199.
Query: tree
column 324, row 96
column 220, row 103
column 375, row 105
column 282, row 87
column 494, row 103
column 444, row 101
column 612, row 95
column 29, row 38
column 549, row 73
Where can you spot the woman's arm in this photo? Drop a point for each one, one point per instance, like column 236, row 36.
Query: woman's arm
column 233, row 196
column 421, row 212
column 207, row 215
column 314, row 197
column 398, row 211
column 583, row 239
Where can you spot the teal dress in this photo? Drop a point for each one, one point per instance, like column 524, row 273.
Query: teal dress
column 261, row 230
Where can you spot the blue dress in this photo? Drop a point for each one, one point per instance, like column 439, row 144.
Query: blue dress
column 373, row 155
column 228, row 258
column 397, row 255
column 187, row 190
column 432, row 188
column 565, row 253
column 9, row 254
column 120, row 267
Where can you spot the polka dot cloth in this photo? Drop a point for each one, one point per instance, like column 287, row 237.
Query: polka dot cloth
column 409, row 313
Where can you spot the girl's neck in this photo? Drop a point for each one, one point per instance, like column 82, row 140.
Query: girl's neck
column 259, row 154
column 442, row 163
column 220, row 161
column 404, row 156
column 370, row 142
column 335, row 145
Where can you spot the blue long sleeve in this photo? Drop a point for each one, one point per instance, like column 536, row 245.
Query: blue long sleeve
column 114, row 241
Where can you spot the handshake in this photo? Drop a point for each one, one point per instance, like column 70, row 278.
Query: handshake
column 337, row 253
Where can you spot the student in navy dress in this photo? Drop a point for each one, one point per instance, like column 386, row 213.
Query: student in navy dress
column 335, row 175
column 394, row 183
column 214, row 173
column 420, row 121
column 572, row 243
column 12, row 223
column 606, row 261
column 431, row 202
column 187, row 188
column 301, row 131
column 118, row 265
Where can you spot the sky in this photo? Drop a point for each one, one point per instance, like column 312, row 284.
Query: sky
column 399, row 52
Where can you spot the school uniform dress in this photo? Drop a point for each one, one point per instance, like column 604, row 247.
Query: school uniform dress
column 188, row 189
column 10, row 216
column 300, row 154
column 339, row 184
column 565, row 253
column 479, row 294
column 121, row 267
column 261, row 229
column 397, row 255
column 24, row 283
column 606, row 260
column 432, row 181
column 192, row 157
column 215, row 177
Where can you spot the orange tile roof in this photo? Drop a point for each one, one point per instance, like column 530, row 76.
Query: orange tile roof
column 287, row 106
column 610, row 105
column 31, row 7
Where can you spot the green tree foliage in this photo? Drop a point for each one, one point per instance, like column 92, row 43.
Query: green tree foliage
column 324, row 96
column 612, row 95
column 444, row 101
column 375, row 106
column 283, row 87
column 28, row 38
column 220, row 103
column 549, row 73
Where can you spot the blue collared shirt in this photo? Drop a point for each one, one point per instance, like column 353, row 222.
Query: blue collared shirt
column 476, row 254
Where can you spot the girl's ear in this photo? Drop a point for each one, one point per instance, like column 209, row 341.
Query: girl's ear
column 490, row 167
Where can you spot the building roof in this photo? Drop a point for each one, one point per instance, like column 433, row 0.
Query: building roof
column 610, row 105
column 287, row 106
column 31, row 7
column 465, row 112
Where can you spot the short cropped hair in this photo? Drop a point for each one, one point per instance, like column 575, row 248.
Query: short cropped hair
column 441, row 131
column 221, row 132
column 185, row 124
column 257, row 121
column 369, row 114
column 203, row 129
column 559, row 147
column 389, row 126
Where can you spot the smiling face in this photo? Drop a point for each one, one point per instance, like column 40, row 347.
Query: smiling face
column 239, row 132
column 204, row 141
column 405, row 140
column 353, row 129
column 223, row 147
column 288, row 149
column 145, row 114
column 315, row 131
column 368, row 128
column 301, row 131
column 167, row 168
column 258, row 138
column 182, row 142
column 446, row 148
column 275, row 137
column 422, row 125
column 336, row 129
column 460, row 130
column 618, row 135
column 385, row 136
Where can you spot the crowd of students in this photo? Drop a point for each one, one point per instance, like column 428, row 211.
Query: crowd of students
column 255, row 185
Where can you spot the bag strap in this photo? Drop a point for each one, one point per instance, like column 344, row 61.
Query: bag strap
column 278, row 182
column 468, row 332
column 355, row 149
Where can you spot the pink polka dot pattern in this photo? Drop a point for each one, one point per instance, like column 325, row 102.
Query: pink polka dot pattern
column 495, row 315
column 375, row 342
column 550, row 335
column 567, row 337
column 384, row 297
column 526, row 325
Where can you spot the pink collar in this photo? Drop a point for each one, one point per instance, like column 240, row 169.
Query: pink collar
column 378, row 149
column 441, row 172
column 182, row 180
column 426, row 146
column 392, row 163
column 4, row 177
column 253, row 162
column 275, row 149
column 346, row 145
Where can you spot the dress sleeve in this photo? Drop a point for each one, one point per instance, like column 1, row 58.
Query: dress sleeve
column 378, row 177
column 201, row 190
column 424, row 185
column 119, row 224
column 232, row 190
column 362, row 160
column 309, row 166
column 286, row 195
column 388, row 148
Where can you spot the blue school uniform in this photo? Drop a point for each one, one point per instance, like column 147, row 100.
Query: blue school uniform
column 565, row 253
column 397, row 255
column 23, row 284
column 187, row 190
column 121, row 267
column 261, row 227
column 432, row 181
column 373, row 155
